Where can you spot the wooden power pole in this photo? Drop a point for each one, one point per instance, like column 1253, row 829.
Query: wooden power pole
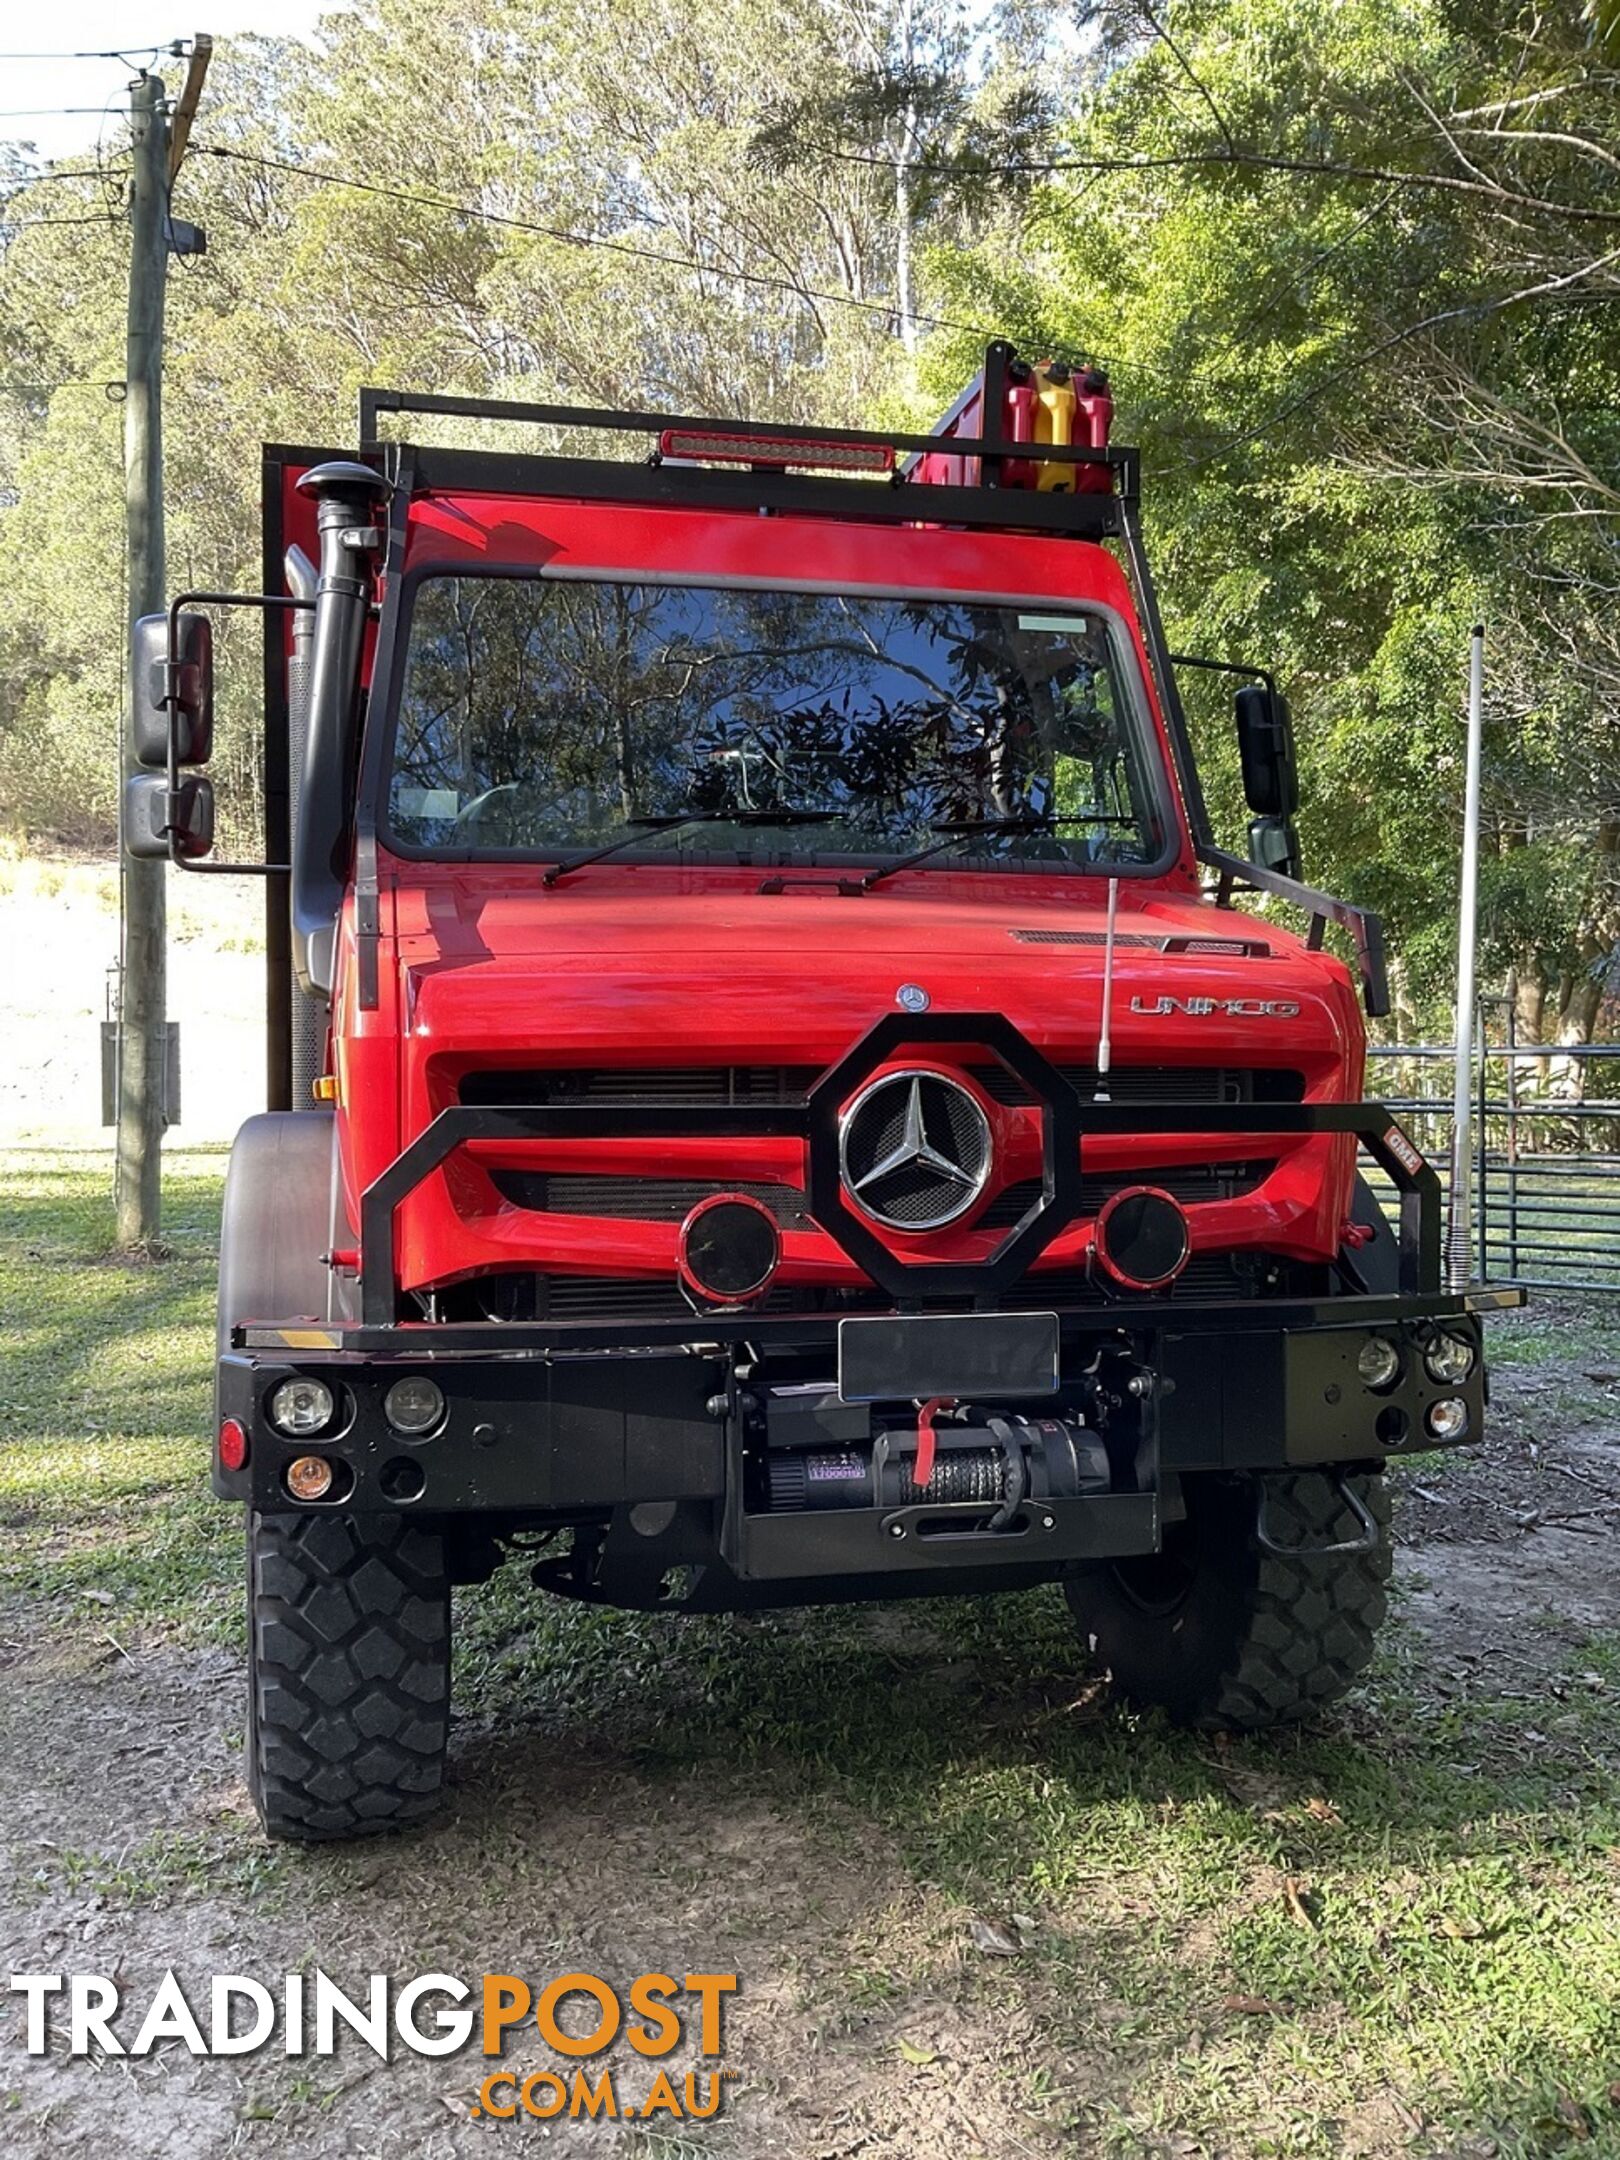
column 143, row 1016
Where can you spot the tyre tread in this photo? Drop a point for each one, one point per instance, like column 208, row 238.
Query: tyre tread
column 1311, row 1622
column 1260, row 1638
column 349, row 1657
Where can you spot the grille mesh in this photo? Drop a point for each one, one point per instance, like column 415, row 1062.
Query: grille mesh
column 646, row 1084
column 671, row 1200
column 596, row 1297
column 1156, row 1083
column 789, row 1083
column 640, row 1199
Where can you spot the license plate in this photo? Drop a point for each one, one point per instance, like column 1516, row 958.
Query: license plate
column 999, row 1355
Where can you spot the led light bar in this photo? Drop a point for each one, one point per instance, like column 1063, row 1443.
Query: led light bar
column 715, row 446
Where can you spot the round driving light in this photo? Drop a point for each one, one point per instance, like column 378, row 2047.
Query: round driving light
column 1448, row 1359
column 309, row 1477
column 1378, row 1362
column 729, row 1248
column 301, row 1407
column 1142, row 1238
column 414, row 1405
column 1448, row 1418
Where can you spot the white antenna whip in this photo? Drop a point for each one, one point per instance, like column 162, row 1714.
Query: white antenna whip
column 1105, row 1038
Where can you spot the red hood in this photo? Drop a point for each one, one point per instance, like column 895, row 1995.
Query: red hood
column 645, row 972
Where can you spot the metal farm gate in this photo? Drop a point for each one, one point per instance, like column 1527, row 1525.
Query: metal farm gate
column 1546, row 1146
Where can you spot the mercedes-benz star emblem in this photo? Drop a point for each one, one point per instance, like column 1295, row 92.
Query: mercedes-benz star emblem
column 911, row 997
column 915, row 1150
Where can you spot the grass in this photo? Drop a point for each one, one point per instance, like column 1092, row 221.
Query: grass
column 1397, row 1931
column 103, row 1401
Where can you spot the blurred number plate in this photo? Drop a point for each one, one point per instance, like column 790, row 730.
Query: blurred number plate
column 1004, row 1355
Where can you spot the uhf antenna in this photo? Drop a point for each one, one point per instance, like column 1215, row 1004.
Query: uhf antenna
column 1105, row 1040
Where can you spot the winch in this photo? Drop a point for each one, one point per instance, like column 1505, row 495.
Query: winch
column 1001, row 1458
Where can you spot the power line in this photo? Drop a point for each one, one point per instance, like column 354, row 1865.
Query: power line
column 11, row 225
column 48, row 112
column 1251, row 160
column 72, row 172
column 174, row 46
column 629, row 248
column 888, row 311
column 1466, row 311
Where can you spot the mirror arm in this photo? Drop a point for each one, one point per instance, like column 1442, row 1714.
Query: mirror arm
column 1365, row 928
column 1226, row 667
column 177, row 605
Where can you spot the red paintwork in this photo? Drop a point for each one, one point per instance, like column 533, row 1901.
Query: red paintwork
column 644, row 965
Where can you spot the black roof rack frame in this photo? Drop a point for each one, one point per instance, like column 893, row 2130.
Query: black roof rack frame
column 1092, row 515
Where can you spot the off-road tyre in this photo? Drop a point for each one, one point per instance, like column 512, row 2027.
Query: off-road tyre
column 348, row 1674
column 1226, row 1636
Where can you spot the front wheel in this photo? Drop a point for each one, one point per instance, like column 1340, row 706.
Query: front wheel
column 1223, row 1633
column 348, row 1673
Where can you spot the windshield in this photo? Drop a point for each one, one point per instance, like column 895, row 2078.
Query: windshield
column 547, row 716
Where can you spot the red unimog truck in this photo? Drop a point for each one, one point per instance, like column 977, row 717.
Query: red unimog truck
column 774, row 1102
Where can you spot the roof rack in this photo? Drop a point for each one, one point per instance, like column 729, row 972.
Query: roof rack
column 895, row 499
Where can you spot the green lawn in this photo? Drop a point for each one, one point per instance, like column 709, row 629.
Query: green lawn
column 1398, row 1932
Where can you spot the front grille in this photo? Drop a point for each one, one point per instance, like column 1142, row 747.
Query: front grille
column 727, row 1084
column 526, row 1297
column 1156, row 1083
column 520, row 1297
column 508, row 1084
column 671, row 1200
column 640, row 1199
column 1206, row 1275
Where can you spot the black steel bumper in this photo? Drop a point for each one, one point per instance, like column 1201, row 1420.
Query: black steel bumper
column 576, row 1422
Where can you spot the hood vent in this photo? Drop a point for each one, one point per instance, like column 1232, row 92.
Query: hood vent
column 1211, row 948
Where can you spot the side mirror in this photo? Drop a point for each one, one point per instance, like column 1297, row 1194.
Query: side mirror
column 1265, row 731
column 151, row 814
column 1274, row 845
column 190, row 692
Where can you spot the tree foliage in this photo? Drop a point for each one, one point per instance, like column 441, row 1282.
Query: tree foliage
column 1352, row 264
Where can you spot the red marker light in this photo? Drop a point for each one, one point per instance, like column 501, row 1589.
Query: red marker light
column 779, row 452
column 233, row 1444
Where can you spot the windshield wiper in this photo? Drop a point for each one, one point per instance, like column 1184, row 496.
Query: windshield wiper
column 665, row 828
column 955, row 829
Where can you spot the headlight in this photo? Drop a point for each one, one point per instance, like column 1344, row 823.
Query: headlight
column 1448, row 1418
column 301, row 1407
column 414, row 1405
column 1378, row 1362
column 1449, row 1359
